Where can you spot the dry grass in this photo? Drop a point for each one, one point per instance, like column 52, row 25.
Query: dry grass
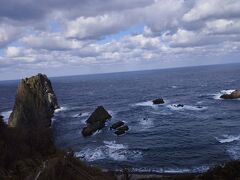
column 31, row 154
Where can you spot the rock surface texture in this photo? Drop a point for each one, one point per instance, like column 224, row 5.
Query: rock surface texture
column 158, row 101
column 34, row 104
column 121, row 130
column 234, row 95
column 117, row 125
column 96, row 121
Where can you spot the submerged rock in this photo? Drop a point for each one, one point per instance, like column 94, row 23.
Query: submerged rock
column 158, row 101
column 96, row 121
column 234, row 95
column 34, row 104
column 117, row 125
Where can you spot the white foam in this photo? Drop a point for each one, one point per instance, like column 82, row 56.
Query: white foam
column 90, row 154
column 149, row 104
column 171, row 170
column 234, row 152
column 110, row 150
column 146, row 123
column 218, row 95
column 63, row 108
column 6, row 115
column 85, row 114
column 174, row 87
column 112, row 113
column 228, row 138
column 146, row 103
column 53, row 119
column 186, row 107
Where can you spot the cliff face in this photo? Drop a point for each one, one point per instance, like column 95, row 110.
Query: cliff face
column 34, row 104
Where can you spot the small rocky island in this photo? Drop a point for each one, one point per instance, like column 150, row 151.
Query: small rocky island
column 158, row 101
column 233, row 95
column 96, row 121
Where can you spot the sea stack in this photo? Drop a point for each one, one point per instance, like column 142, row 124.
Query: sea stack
column 96, row 121
column 34, row 104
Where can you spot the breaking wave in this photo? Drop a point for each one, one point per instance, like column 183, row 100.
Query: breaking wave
column 110, row 150
column 228, row 138
column 218, row 95
column 186, row 107
column 6, row 115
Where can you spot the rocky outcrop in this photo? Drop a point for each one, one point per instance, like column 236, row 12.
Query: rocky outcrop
column 117, row 125
column 96, row 121
column 121, row 130
column 34, row 104
column 234, row 95
column 158, row 101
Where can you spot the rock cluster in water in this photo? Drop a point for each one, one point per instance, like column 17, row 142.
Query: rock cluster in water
column 96, row 121
column 120, row 127
column 234, row 95
column 34, row 104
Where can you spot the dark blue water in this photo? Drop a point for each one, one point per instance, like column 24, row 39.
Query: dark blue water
column 205, row 132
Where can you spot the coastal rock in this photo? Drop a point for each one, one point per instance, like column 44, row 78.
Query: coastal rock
column 92, row 128
column 96, row 121
column 117, row 125
column 2, row 124
column 99, row 115
column 234, row 95
column 178, row 105
column 121, row 130
column 158, row 101
column 34, row 104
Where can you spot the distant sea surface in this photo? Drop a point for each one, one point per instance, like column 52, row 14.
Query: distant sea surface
column 162, row 138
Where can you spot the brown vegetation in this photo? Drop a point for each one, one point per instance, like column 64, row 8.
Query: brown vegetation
column 31, row 154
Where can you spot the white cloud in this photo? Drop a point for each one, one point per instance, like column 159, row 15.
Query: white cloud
column 207, row 9
column 50, row 41
column 13, row 51
column 94, row 27
column 8, row 33
column 223, row 26
column 76, row 33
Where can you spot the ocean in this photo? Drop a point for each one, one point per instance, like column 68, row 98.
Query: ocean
column 162, row 138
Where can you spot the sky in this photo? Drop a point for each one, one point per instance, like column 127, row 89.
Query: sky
column 70, row 37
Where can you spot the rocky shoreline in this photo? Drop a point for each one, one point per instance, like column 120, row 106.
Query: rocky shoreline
column 28, row 150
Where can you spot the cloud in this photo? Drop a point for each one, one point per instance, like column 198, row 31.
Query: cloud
column 8, row 33
column 13, row 51
column 214, row 9
column 94, row 35
column 95, row 27
column 50, row 41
